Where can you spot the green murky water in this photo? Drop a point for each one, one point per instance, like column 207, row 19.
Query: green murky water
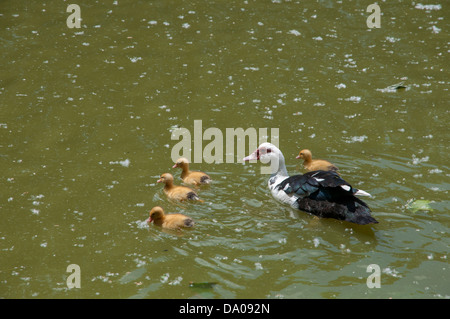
column 86, row 117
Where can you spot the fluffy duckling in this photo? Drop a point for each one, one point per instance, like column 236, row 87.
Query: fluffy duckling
column 174, row 192
column 169, row 221
column 191, row 177
column 316, row 164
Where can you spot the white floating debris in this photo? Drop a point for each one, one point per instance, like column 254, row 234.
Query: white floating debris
column 316, row 242
column 294, row 32
column 428, row 6
column 124, row 163
column 355, row 99
column 135, row 59
column 435, row 29
column 355, row 139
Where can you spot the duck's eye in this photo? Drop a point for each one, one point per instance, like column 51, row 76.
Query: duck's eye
column 269, row 150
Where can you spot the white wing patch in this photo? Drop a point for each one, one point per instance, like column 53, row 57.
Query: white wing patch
column 362, row 193
column 345, row 187
column 319, row 179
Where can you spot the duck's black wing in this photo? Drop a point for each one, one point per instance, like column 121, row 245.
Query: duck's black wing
column 326, row 194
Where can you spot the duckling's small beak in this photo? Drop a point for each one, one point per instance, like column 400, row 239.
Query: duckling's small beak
column 159, row 180
column 149, row 220
column 175, row 166
column 297, row 157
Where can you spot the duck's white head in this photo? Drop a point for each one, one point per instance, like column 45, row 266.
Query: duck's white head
column 269, row 153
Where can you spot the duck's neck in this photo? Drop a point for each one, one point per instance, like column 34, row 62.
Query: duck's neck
column 307, row 160
column 185, row 170
column 281, row 169
column 158, row 221
column 169, row 185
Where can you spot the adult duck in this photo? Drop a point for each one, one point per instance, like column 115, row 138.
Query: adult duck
column 321, row 193
column 315, row 164
column 191, row 177
column 169, row 221
column 175, row 192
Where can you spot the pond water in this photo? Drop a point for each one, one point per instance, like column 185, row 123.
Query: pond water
column 86, row 117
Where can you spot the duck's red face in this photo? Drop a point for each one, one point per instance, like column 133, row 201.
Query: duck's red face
column 256, row 155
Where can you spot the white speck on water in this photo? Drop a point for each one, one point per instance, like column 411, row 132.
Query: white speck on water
column 294, row 32
column 316, row 242
column 176, row 281
column 135, row 59
column 416, row 160
column 124, row 163
column 355, row 139
column 428, row 6
column 164, row 278
column 355, row 99
column 435, row 29
column 391, row 272
column 392, row 39
column 142, row 224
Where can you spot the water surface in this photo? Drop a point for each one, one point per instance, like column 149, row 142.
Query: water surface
column 86, row 117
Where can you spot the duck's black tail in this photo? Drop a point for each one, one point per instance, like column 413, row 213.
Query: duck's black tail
column 348, row 208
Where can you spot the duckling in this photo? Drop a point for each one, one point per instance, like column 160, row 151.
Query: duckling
column 174, row 192
column 169, row 221
column 191, row 177
column 316, row 164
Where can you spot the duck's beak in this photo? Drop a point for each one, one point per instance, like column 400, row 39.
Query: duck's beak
column 297, row 157
column 252, row 157
column 175, row 166
column 149, row 220
column 159, row 180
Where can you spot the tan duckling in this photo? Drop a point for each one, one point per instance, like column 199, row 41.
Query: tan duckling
column 316, row 164
column 191, row 177
column 175, row 192
column 169, row 221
